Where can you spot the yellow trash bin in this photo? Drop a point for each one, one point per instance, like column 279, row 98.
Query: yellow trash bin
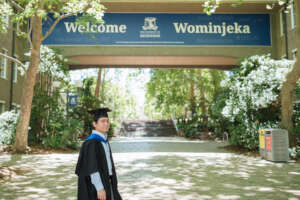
column 262, row 144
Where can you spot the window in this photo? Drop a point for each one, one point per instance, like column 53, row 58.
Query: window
column 282, row 22
column 16, row 107
column 293, row 15
column 3, row 64
column 2, row 107
column 294, row 53
column 15, row 71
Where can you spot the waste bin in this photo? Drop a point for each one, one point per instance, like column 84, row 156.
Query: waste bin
column 274, row 144
column 262, row 145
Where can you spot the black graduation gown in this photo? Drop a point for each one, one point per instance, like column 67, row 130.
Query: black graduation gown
column 92, row 159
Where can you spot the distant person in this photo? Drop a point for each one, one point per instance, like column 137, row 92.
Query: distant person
column 97, row 178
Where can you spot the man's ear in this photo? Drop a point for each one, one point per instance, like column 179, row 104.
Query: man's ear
column 94, row 124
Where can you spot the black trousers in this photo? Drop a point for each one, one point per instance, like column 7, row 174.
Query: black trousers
column 111, row 191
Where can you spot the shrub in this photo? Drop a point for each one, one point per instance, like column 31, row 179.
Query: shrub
column 8, row 123
column 112, row 127
column 294, row 153
column 64, row 135
column 253, row 100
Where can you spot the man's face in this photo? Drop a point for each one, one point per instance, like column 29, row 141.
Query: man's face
column 102, row 125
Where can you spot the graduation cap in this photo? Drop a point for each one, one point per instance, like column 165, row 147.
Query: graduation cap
column 100, row 112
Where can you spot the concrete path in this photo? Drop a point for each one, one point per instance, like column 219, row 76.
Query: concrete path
column 160, row 168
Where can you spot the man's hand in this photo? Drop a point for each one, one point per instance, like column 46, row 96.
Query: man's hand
column 101, row 195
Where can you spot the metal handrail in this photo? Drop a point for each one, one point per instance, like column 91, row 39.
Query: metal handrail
column 174, row 124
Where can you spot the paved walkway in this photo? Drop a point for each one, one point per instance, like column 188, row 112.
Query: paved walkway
column 160, row 168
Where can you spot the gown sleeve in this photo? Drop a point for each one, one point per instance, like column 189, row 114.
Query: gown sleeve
column 87, row 161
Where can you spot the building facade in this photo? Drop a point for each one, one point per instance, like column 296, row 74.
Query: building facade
column 10, row 79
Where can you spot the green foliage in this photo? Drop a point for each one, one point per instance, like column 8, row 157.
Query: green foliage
column 25, row 9
column 110, row 132
column 238, row 3
column 244, row 136
column 193, row 127
column 296, row 116
column 119, row 97
column 49, row 123
column 296, row 121
column 45, row 109
column 217, row 122
column 64, row 135
column 253, row 101
column 167, row 90
column 8, row 123
column 122, row 103
column 294, row 153
column 87, row 101
column 170, row 89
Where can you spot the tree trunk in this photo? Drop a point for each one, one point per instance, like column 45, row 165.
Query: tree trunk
column 103, row 85
column 287, row 91
column 192, row 94
column 214, row 75
column 21, row 139
column 203, row 105
column 98, row 83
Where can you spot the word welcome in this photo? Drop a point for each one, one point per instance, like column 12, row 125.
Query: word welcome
column 94, row 28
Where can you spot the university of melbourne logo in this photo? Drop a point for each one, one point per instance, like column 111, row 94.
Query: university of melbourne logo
column 150, row 28
column 150, row 24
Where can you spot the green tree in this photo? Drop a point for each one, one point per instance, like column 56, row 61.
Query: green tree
column 174, row 89
column 113, row 96
column 167, row 90
column 119, row 97
column 87, row 101
column 36, row 11
column 121, row 102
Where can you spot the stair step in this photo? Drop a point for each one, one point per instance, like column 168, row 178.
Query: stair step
column 148, row 128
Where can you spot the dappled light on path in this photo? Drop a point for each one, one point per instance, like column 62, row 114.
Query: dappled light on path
column 155, row 169
column 50, row 177
column 204, row 176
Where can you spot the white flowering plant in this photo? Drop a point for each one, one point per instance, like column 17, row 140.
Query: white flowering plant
column 52, row 64
column 294, row 153
column 8, row 123
column 5, row 13
column 210, row 6
column 254, row 101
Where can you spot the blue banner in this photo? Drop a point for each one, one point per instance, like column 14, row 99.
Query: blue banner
column 149, row 29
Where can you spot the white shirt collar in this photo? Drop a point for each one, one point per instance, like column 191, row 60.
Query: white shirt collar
column 103, row 135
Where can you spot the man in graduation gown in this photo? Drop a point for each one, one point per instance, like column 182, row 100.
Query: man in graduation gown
column 95, row 168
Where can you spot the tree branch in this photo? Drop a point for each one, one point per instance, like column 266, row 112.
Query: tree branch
column 16, row 5
column 13, row 60
column 54, row 24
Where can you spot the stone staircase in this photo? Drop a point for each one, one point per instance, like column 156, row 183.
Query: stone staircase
column 147, row 128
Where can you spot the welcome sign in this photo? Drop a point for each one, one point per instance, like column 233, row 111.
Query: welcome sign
column 146, row 29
